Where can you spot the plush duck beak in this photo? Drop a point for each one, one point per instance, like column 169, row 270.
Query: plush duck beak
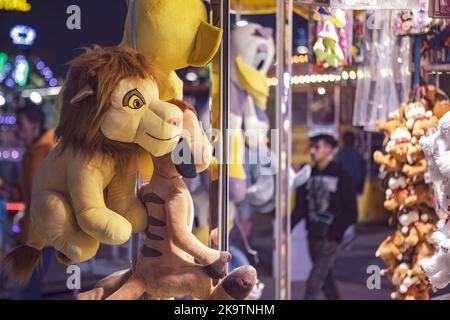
column 254, row 81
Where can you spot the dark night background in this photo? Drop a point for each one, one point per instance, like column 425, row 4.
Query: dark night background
column 102, row 23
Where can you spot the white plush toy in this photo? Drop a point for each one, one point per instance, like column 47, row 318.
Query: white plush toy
column 437, row 267
column 437, row 151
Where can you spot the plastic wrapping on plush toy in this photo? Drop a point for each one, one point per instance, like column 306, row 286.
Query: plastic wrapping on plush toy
column 384, row 77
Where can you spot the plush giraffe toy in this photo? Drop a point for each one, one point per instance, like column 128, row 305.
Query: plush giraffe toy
column 172, row 262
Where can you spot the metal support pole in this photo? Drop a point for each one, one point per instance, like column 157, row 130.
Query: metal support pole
column 135, row 243
column 283, row 126
column 417, row 48
column 221, row 13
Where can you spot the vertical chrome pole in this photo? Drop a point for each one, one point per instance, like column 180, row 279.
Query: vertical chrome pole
column 221, row 9
column 283, row 126
column 225, row 111
column 135, row 239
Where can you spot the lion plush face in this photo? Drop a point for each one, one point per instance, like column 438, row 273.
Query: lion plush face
column 136, row 115
column 110, row 105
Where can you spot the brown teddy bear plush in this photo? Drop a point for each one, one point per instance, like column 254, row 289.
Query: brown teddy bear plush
column 397, row 200
column 419, row 194
column 415, row 153
column 388, row 162
column 417, row 232
column 399, row 144
column 400, row 273
column 414, row 292
column 441, row 108
column 394, row 121
column 410, row 284
column 424, row 229
column 413, row 237
column 423, row 250
column 390, row 250
column 396, row 193
column 416, row 172
column 419, row 120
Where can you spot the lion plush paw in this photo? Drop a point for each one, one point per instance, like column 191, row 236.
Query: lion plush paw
column 105, row 225
column 52, row 214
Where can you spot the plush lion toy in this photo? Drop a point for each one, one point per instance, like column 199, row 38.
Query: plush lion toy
column 172, row 261
column 84, row 192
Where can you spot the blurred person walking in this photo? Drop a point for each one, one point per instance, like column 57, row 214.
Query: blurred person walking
column 328, row 203
column 352, row 161
column 38, row 141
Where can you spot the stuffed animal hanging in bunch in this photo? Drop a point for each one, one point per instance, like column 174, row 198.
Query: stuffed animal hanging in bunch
column 409, row 199
column 437, row 151
column 84, row 192
column 331, row 38
column 413, row 22
column 172, row 261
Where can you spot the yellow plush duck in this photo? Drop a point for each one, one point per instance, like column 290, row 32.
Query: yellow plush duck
column 174, row 34
column 252, row 52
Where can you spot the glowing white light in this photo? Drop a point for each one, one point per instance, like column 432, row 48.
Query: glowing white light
column 321, row 91
column 242, row 23
column 302, row 50
column 191, row 76
column 23, row 35
column 352, row 75
column 36, row 97
column 345, row 75
column 287, row 79
column 40, row 65
column 2, row 100
column 360, row 74
column 53, row 82
column 21, row 70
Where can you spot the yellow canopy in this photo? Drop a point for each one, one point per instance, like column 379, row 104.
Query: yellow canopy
column 263, row 7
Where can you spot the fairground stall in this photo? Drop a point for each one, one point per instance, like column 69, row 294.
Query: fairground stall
column 205, row 112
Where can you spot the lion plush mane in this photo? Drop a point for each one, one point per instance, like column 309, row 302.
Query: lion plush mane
column 100, row 70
